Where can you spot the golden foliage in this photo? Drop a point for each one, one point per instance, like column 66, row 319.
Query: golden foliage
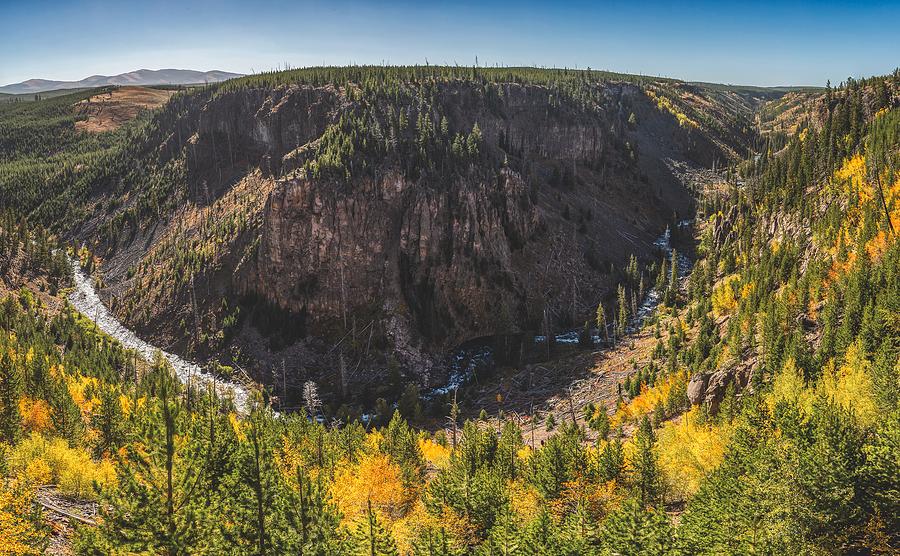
column 597, row 498
column 878, row 246
column 375, row 478
column 789, row 386
column 39, row 460
column 406, row 529
column 724, row 300
column 666, row 105
column 79, row 386
column 851, row 385
column 288, row 458
column 434, row 453
column 647, row 400
column 524, row 500
column 689, row 451
column 853, row 170
column 524, row 453
column 859, row 190
column 237, row 427
column 629, row 450
column 18, row 535
column 842, row 267
column 37, row 473
column 129, row 405
column 35, row 415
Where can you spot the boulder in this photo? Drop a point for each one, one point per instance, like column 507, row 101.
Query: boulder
column 715, row 388
column 696, row 389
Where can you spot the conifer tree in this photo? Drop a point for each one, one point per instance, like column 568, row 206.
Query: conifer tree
column 647, row 478
column 154, row 507
column 612, row 460
column 256, row 490
column 109, row 421
column 635, row 530
column 11, row 389
column 371, row 538
column 312, row 519
column 401, row 444
column 671, row 292
column 601, row 322
column 67, row 420
column 504, row 539
column 622, row 321
column 538, row 536
column 434, row 542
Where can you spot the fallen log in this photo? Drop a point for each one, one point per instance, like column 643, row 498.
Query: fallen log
column 55, row 509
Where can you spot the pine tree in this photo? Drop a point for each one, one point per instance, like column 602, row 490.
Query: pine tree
column 154, row 508
column 622, row 321
column 67, row 420
column 256, row 489
column 601, row 322
column 371, row 538
column 434, row 542
column 311, row 518
column 598, row 421
column 401, row 444
column 749, row 503
column 636, row 531
column 880, row 475
column 584, row 338
column 11, row 389
column 662, row 276
column 109, row 421
column 579, row 533
column 647, row 478
column 671, row 293
column 540, row 536
column 631, row 271
column 504, row 539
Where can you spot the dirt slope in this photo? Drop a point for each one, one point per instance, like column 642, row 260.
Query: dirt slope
column 108, row 111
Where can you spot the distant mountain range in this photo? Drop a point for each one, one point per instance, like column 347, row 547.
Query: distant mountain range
column 142, row 77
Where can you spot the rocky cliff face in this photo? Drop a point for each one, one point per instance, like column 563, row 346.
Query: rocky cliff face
column 437, row 261
column 410, row 262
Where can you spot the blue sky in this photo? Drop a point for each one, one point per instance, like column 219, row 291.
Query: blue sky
column 763, row 43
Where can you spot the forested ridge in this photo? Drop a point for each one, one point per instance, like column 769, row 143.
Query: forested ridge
column 39, row 145
column 767, row 420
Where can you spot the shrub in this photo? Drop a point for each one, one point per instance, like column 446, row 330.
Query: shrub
column 39, row 460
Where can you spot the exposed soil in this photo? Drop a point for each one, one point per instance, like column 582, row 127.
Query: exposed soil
column 562, row 386
column 108, row 111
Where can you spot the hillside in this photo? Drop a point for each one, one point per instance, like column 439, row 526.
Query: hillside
column 753, row 410
column 404, row 210
column 111, row 109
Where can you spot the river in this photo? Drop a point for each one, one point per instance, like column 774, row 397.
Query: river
column 85, row 300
